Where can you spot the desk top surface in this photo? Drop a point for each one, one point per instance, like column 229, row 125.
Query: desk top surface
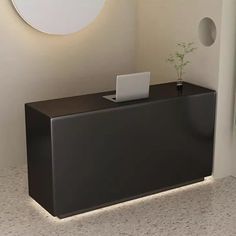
column 96, row 102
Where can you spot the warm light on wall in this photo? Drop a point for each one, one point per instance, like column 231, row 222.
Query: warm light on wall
column 59, row 17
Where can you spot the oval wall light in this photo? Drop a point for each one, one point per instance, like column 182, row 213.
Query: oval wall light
column 58, row 17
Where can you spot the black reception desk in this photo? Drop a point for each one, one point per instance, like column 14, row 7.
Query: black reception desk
column 86, row 152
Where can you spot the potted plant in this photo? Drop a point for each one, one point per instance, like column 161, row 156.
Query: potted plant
column 178, row 60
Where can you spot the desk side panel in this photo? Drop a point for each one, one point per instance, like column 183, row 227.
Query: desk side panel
column 39, row 158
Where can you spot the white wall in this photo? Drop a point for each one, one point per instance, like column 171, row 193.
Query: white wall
column 36, row 66
column 161, row 24
column 226, row 142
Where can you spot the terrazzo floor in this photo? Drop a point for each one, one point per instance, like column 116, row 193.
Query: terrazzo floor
column 205, row 209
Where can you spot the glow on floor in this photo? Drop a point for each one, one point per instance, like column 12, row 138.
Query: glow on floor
column 208, row 180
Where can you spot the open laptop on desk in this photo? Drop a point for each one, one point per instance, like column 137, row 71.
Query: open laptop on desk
column 131, row 87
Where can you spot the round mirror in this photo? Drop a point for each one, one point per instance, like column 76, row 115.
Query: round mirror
column 58, row 17
column 207, row 31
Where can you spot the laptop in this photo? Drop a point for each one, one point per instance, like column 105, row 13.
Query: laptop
column 131, row 87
